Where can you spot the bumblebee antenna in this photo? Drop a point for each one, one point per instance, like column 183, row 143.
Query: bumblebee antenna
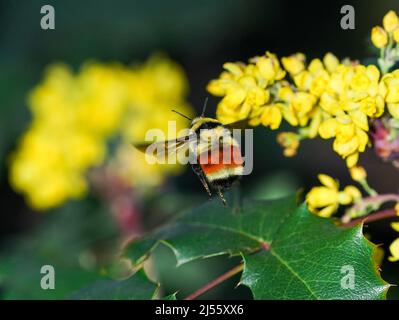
column 181, row 114
column 204, row 107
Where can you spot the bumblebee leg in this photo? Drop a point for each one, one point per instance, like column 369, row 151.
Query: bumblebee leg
column 205, row 184
column 220, row 193
column 197, row 169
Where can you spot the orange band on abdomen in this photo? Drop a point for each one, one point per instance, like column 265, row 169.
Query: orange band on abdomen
column 225, row 157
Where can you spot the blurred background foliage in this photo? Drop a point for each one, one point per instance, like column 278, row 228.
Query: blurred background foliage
column 81, row 238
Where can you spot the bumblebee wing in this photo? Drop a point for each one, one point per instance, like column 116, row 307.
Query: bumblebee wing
column 164, row 149
column 241, row 124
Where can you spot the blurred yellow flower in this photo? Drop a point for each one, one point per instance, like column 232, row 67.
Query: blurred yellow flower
column 74, row 116
column 324, row 200
column 379, row 37
column 395, row 35
column 390, row 21
column 394, row 247
column 290, row 142
column 358, row 173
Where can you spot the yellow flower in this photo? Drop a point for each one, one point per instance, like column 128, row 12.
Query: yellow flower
column 302, row 104
column 395, row 35
column 352, row 160
column 269, row 67
column 324, row 200
column 290, row 142
column 271, row 117
column 389, row 88
column 353, row 192
column 331, row 62
column 294, row 64
column 379, row 37
column 349, row 139
column 358, row 173
column 316, row 77
column 390, row 21
column 394, row 249
column 298, row 107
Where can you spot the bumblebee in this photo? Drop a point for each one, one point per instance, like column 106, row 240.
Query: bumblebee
column 216, row 154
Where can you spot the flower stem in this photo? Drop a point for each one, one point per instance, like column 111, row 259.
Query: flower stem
column 215, row 282
column 367, row 188
column 363, row 207
column 380, row 215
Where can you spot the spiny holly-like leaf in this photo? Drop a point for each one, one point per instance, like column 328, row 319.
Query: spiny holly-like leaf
column 212, row 229
column 136, row 287
column 170, row 297
column 288, row 252
column 311, row 258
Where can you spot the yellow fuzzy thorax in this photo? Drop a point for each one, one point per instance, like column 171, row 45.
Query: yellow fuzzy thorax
column 196, row 123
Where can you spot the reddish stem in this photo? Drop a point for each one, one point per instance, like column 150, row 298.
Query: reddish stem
column 223, row 277
column 215, row 282
column 379, row 215
column 381, row 198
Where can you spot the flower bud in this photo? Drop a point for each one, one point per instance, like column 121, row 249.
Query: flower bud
column 395, row 35
column 390, row 21
column 294, row 64
column 358, row 173
column 379, row 37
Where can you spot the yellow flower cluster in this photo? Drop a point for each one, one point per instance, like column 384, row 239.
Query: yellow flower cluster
column 386, row 38
column 74, row 115
column 327, row 97
column 246, row 91
column 381, row 37
column 324, row 200
column 342, row 98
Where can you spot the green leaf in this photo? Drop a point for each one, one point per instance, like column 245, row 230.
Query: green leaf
column 212, row 229
column 170, row 297
column 136, row 287
column 310, row 258
column 288, row 252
